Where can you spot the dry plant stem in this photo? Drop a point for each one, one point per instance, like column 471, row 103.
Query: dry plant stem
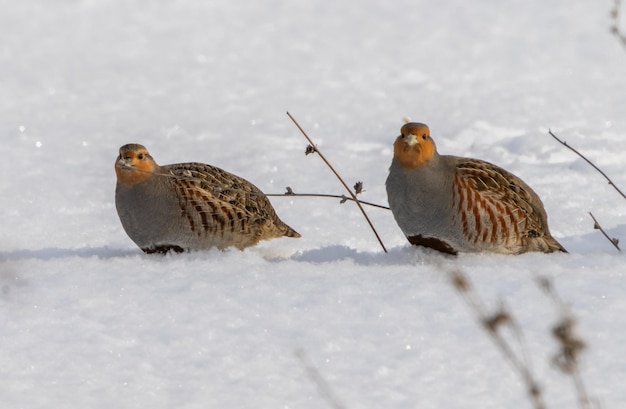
column 583, row 399
column 491, row 326
column 615, row 28
column 289, row 192
column 588, row 161
column 322, row 386
column 568, row 341
column 613, row 240
column 342, row 197
column 340, row 179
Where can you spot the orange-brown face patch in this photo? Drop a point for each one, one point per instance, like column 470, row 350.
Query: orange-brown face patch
column 414, row 146
column 133, row 164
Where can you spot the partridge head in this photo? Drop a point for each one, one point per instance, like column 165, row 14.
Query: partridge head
column 414, row 147
column 134, row 164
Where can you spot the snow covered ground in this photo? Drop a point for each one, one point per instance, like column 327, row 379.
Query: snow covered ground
column 90, row 321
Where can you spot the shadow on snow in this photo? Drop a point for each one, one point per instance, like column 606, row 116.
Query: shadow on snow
column 52, row 253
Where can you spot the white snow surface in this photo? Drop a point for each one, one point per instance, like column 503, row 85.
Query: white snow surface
column 89, row 321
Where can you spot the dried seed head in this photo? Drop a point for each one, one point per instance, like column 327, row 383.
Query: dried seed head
column 615, row 12
column 563, row 329
column 309, row 149
column 570, row 343
column 358, row 187
column 535, row 390
column 493, row 322
column 460, row 282
column 545, row 284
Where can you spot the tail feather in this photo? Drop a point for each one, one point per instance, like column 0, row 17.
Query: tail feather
column 289, row 232
column 552, row 245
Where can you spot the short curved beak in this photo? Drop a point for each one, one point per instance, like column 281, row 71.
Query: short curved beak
column 124, row 162
column 410, row 139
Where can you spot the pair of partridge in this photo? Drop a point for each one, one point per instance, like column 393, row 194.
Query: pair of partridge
column 190, row 206
column 455, row 204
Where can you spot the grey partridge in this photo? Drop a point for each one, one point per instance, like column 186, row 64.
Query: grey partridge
column 190, row 206
column 455, row 204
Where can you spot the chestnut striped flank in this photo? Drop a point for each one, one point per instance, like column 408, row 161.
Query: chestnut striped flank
column 497, row 209
column 490, row 215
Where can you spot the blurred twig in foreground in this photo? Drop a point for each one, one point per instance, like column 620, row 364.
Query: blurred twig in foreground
column 322, row 386
column 615, row 27
column 570, row 344
column 493, row 323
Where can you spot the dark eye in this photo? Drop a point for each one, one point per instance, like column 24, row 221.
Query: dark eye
column 424, row 137
column 140, row 156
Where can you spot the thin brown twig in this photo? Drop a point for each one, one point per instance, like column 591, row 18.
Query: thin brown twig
column 614, row 241
column 289, row 191
column 316, row 149
column 343, row 198
column 588, row 161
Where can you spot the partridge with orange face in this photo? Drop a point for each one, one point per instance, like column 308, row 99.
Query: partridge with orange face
column 190, row 206
column 455, row 204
